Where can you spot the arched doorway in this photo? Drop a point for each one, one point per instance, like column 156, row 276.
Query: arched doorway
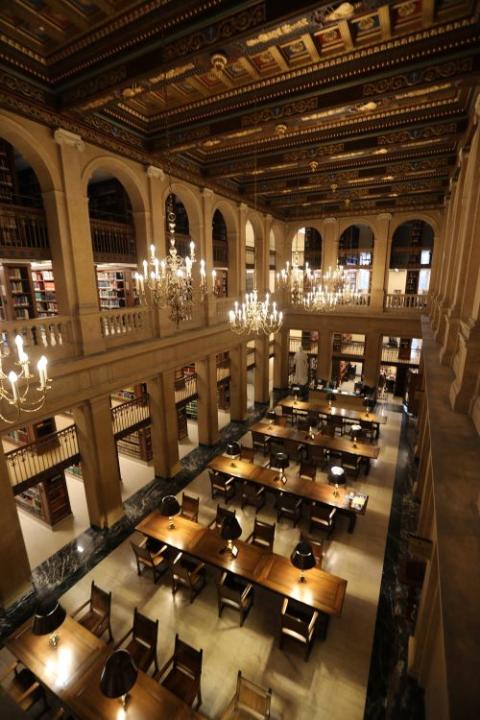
column 411, row 258
column 220, row 254
column 307, row 248
column 182, row 224
column 355, row 254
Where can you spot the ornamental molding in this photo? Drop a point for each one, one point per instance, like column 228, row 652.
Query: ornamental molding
column 155, row 172
column 65, row 137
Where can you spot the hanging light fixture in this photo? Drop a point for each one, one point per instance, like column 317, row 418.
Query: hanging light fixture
column 296, row 280
column 20, row 390
column 168, row 282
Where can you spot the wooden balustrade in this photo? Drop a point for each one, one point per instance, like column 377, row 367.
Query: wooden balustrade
column 130, row 415
column 23, row 232
column 296, row 344
column 416, row 302
column 354, row 348
column 37, row 459
column 113, row 241
column 50, row 336
column 122, row 323
column 186, row 388
column 223, row 370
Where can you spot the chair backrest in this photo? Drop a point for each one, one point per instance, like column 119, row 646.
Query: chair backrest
column 288, row 501
column 186, row 658
column 190, row 504
column 222, row 513
column 258, row 437
column 213, row 475
column 250, row 696
column 100, row 601
column 145, row 629
column 141, row 552
column 281, row 420
column 296, row 616
column 264, row 531
column 247, row 453
column 308, row 470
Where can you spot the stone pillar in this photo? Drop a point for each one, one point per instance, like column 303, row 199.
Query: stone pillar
column 324, row 359
column 241, row 251
column 207, row 400
column 157, row 185
column 164, row 429
column 238, row 383
column 280, row 363
column 381, row 257
column 371, row 365
column 15, row 574
column 330, row 240
column 208, row 197
column 72, row 234
column 233, row 267
column 448, row 249
column 262, row 387
column 99, row 458
column 262, row 255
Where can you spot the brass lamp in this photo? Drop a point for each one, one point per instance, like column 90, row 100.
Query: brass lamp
column 230, row 531
column 170, row 507
column 233, row 451
column 48, row 618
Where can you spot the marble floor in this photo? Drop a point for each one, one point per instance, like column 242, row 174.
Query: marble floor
column 333, row 683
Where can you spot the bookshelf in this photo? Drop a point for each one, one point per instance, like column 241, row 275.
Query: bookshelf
column 7, row 175
column 182, row 422
column 18, row 302
column 45, row 293
column 48, row 501
column 191, row 409
column 116, row 288
column 35, row 432
column 137, row 445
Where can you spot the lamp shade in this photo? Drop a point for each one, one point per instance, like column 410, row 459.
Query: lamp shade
column 119, row 674
column 369, row 402
column 281, row 460
column 231, row 529
column 336, row 475
column 271, row 415
column 169, row 506
column 355, row 430
column 302, row 556
column 233, row 449
column 48, row 617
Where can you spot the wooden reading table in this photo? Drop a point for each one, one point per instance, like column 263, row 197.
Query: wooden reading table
column 306, row 489
column 334, row 411
column 322, row 591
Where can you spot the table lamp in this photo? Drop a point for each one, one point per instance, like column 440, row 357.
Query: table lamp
column 331, row 398
column 48, row 618
column 303, row 558
column 355, row 430
column 119, row 675
column 170, row 507
column 282, row 462
column 368, row 403
column 233, row 451
column 230, row 531
column 336, row 475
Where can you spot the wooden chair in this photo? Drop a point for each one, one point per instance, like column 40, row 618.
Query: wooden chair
column 24, row 688
column 263, row 535
column 97, row 617
column 369, row 432
column 308, row 471
column 289, row 506
column 234, row 592
column 184, row 673
column 143, row 645
column 247, row 454
column 188, row 572
column 288, row 413
column 222, row 513
column 250, row 701
column 298, row 622
column 303, row 422
column 190, row 507
column 253, row 494
column 281, row 420
column 260, row 441
column 351, row 464
column 156, row 561
column 322, row 517
column 221, row 484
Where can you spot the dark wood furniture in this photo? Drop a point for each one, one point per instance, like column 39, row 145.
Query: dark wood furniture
column 247, row 453
column 307, row 471
column 250, row 701
column 156, row 561
column 23, row 687
column 143, row 643
column 97, row 617
column 222, row 513
column 263, row 535
column 221, row 485
column 234, row 592
column 322, row 517
column 322, row 591
column 299, row 623
column 184, row 670
column 188, row 572
column 252, row 494
column 343, row 500
column 289, row 405
column 190, row 507
column 289, row 506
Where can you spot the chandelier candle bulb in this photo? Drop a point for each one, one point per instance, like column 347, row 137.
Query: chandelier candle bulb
column 19, row 344
column 12, row 376
column 152, row 251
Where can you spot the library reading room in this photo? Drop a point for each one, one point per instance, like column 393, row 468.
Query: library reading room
column 239, row 360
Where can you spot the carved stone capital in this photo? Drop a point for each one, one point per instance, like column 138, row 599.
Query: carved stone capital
column 268, row 217
column 385, row 216
column 155, row 172
column 65, row 137
column 330, row 220
column 207, row 193
column 243, row 207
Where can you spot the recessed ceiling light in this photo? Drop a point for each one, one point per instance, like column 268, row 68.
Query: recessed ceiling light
column 368, row 107
column 380, row 151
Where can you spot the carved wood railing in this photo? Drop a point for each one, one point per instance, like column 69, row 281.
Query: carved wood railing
column 412, row 302
column 130, row 415
column 23, row 232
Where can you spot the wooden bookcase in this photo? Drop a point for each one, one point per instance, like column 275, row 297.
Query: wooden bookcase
column 137, row 445
column 7, row 173
column 48, row 501
column 182, row 422
column 33, row 432
column 18, row 301
column 221, row 282
column 116, row 288
column 45, row 294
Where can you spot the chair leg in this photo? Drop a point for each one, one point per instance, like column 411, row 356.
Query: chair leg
column 199, row 701
column 110, row 636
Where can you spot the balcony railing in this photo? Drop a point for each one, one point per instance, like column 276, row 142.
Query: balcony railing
column 185, row 387
column 37, row 459
column 354, row 348
column 50, row 336
column 130, row 415
column 308, row 346
column 23, row 232
column 392, row 354
column 124, row 325
column 405, row 302
column 113, row 241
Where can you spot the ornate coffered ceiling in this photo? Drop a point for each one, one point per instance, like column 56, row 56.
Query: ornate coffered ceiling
column 314, row 108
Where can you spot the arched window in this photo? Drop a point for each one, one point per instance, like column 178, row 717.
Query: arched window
column 249, row 256
column 220, row 253
column 272, row 261
column 411, row 258
column 182, row 226
column 307, row 248
column 355, row 253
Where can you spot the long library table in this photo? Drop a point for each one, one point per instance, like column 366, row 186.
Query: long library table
column 301, row 437
column 321, row 590
column 334, row 411
column 72, row 671
column 305, row 489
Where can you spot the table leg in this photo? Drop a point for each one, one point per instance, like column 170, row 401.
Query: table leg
column 352, row 521
column 367, row 466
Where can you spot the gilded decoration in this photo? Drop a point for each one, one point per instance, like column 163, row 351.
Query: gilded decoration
column 430, row 74
column 288, row 110
column 277, row 33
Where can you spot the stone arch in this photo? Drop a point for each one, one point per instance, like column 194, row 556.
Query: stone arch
column 46, row 170
column 123, row 173
column 231, row 218
column 398, row 220
column 345, row 223
column 193, row 206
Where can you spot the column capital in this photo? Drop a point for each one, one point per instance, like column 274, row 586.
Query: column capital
column 268, row 217
column 243, row 207
column 65, row 137
column 477, row 108
column 155, row 172
column 330, row 220
column 208, row 193
column 384, row 216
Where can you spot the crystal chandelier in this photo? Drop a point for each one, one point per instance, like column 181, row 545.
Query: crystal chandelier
column 254, row 317
column 330, row 291
column 296, row 280
column 20, row 390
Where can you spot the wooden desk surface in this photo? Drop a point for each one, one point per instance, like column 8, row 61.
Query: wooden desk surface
column 300, row 436
column 334, row 411
column 252, row 563
column 318, row 492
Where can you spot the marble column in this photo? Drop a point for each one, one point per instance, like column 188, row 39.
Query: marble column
column 164, row 428
column 238, row 383
column 280, row 362
column 371, row 365
column 99, row 459
column 72, row 233
column 262, row 365
column 381, row 256
column 207, row 400
column 15, row 574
